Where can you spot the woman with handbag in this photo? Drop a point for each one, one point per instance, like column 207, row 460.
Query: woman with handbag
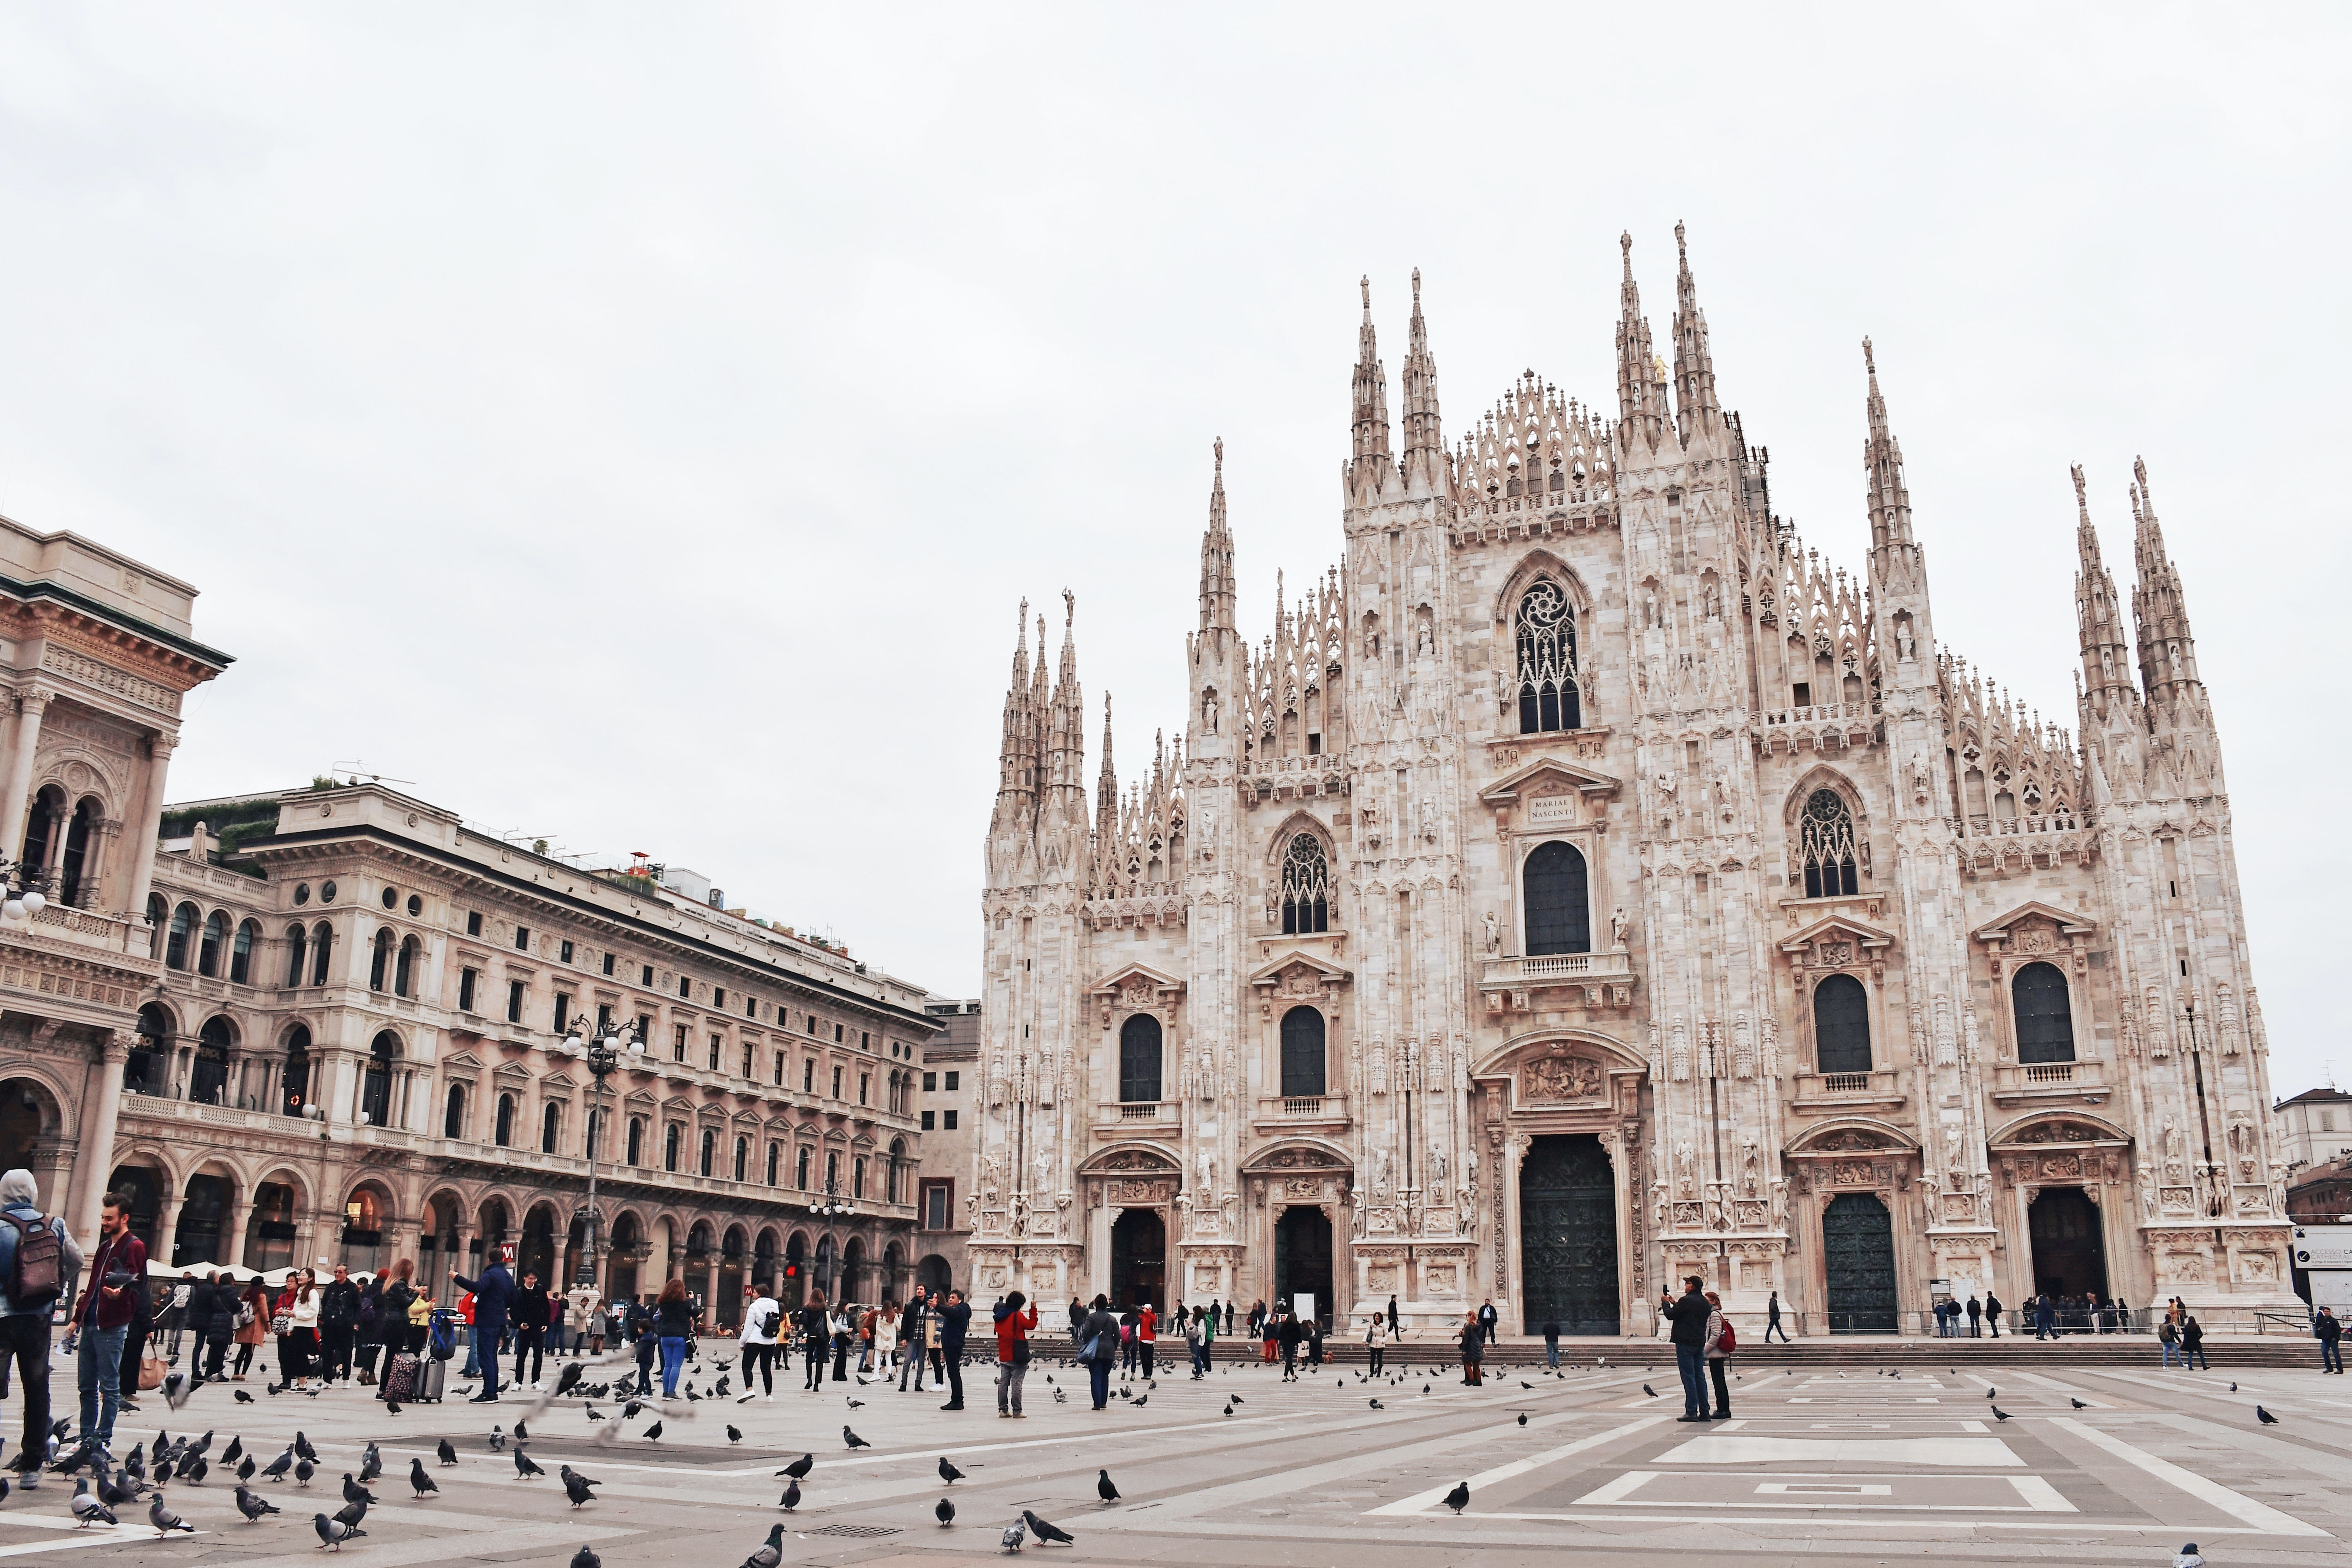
column 1474, row 1349
column 367, row 1335
column 253, row 1310
column 303, row 1319
column 1012, row 1331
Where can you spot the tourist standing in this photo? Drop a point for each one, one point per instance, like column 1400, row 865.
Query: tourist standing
column 1551, row 1343
column 1474, row 1349
column 339, row 1322
column 303, row 1334
column 1720, row 1340
column 1147, row 1337
column 2327, row 1329
column 2193, row 1344
column 1013, row 1328
column 493, row 1293
column 531, row 1315
column 24, row 1324
column 954, row 1321
column 253, row 1312
column 1992, row 1311
column 1376, row 1332
column 1690, row 1317
column 1098, row 1347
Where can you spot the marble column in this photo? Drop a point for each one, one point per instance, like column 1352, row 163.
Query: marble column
column 167, row 1226
column 96, row 1151
column 143, row 862
column 240, row 1224
column 30, row 704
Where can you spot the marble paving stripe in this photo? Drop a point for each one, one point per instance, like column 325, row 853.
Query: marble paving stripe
column 2236, row 1504
column 1422, row 1502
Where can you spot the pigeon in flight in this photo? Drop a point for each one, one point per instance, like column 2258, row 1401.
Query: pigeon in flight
column 418, row 1481
column 1046, row 1530
column 448, row 1455
column 569, row 1381
column 770, row 1552
column 852, row 1438
column 334, row 1531
column 944, row 1513
column 2264, row 1416
column 1459, row 1498
column 164, row 1520
column 799, row 1469
column 791, row 1498
column 252, row 1505
column 1104, row 1488
column 948, row 1472
column 1014, row 1534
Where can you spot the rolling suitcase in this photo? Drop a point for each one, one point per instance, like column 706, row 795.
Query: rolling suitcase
column 432, row 1376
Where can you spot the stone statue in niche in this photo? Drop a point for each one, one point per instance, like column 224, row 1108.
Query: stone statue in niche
column 1922, row 787
column 1493, row 935
column 1905, row 645
column 1617, row 926
column 1751, row 1175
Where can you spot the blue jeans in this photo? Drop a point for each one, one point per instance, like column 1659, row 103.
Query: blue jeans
column 2331, row 1355
column 673, row 1354
column 2170, row 1350
column 1099, row 1374
column 101, row 1376
column 1691, row 1361
column 1551, row 1352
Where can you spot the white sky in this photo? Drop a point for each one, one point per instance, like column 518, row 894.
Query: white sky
column 637, row 428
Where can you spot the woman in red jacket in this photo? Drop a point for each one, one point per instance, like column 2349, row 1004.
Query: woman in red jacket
column 1012, row 1327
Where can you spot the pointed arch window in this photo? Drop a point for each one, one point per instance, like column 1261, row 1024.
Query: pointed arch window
column 1825, row 841
column 1305, row 887
column 2044, row 1013
column 1545, row 639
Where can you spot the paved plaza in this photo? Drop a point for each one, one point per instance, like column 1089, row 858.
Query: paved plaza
column 2109, row 1464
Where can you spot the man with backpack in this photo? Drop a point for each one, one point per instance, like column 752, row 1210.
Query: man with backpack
column 37, row 1256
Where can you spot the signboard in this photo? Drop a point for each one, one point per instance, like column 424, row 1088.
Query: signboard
column 2323, row 1247
column 506, row 1253
column 1939, row 1289
column 1552, row 811
column 1302, row 1305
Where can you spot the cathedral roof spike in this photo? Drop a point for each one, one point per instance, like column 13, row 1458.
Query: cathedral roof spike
column 1369, row 468
column 2167, row 650
column 1641, row 414
column 1217, row 556
column 1424, row 467
column 1882, row 456
column 1700, row 415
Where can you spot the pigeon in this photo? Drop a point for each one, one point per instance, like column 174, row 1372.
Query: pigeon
column 277, row 1466
column 1229, row 1409
column 799, row 1469
column 89, row 1510
column 948, row 1472
column 2077, row 1404
column 1990, row 1392
column 576, row 1487
column 1377, row 1405
column 355, row 1492
column 2234, row 1388
column 1103, row 1487
column 1014, row 1534
column 1046, row 1530
column 2264, row 1416
column 944, row 1513
column 770, row 1552
column 1524, row 1383
column 1237, row 1399
column 630, row 1411
column 654, row 1431
column 352, row 1512
column 334, row 1531
column 303, row 1471
column 418, row 1481
column 692, row 1398
column 523, row 1432
column 853, row 1439
column 498, row 1439
column 244, row 1470
column 857, row 1404
column 115, row 1493
column 524, row 1468
column 236, row 1450
column 1459, row 1498
column 1998, row 1414
column 733, row 1436
column 2186, row 1557
column 1523, row 1417
column 584, row 1558
column 304, row 1450
column 448, row 1455
column 252, row 1505
column 791, row 1498
column 195, row 1469
column 164, row 1520
column 243, row 1397
column 1648, row 1390
column 594, row 1415
column 1143, row 1399
column 569, row 1381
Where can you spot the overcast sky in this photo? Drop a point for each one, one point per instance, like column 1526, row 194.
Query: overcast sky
column 637, row 428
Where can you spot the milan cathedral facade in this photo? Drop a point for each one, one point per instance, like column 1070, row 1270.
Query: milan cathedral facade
column 1586, row 885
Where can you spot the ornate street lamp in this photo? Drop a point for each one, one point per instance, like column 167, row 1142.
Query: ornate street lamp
column 603, row 1052
column 22, row 891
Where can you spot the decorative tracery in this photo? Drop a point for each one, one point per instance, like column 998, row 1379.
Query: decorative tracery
column 1549, row 698
column 1825, row 843
column 1305, row 887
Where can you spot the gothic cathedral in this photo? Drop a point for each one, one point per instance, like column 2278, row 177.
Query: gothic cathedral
column 1587, row 885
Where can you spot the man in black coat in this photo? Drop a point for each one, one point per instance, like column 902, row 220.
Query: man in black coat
column 955, row 1318
column 911, row 1336
column 1689, row 1316
column 338, row 1317
column 212, row 1319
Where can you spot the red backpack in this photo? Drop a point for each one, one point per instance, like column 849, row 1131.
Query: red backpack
column 1730, row 1340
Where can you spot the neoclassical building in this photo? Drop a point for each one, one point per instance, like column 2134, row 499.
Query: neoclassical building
column 1586, row 883
column 353, row 1048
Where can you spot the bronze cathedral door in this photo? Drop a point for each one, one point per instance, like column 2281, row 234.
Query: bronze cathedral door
column 1568, row 1236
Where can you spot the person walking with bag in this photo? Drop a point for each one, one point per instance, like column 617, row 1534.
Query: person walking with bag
column 1721, row 1340
column 1772, row 1319
column 1012, row 1331
column 1376, row 1333
column 816, row 1339
column 253, row 1314
column 1098, row 1347
column 761, row 1320
column 2168, row 1334
column 303, row 1335
column 212, row 1319
column 1474, row 1350
column 2328, row 1330
column 2193, row 1344
column 38, row 1260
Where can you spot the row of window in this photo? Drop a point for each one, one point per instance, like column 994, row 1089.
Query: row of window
column 1140, row 1078
column 673, row 1147
column 2040, row 1004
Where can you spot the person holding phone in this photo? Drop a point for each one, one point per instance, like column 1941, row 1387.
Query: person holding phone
column 1689, row 1316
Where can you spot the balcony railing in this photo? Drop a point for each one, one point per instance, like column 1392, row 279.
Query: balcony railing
column 1302, row 1108
column 1140, row 1110
column 1847, row 1091
column 2051, row 1072
column 1845, row 1083
column 1560, row 966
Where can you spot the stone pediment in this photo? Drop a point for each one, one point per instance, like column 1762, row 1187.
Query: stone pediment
column 557, row 1083
column 678, row 1105
column 1298, row 973
column 1526, row 780
column 2067, row 1129
column 1137, row 987
column 2034, row 911
column 1854, row 1135
column 1826, row 937
column 1127, row 1159
column 639, row 1100
column 512, row 1072
column 463, row 1061
column 1297, row 1154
